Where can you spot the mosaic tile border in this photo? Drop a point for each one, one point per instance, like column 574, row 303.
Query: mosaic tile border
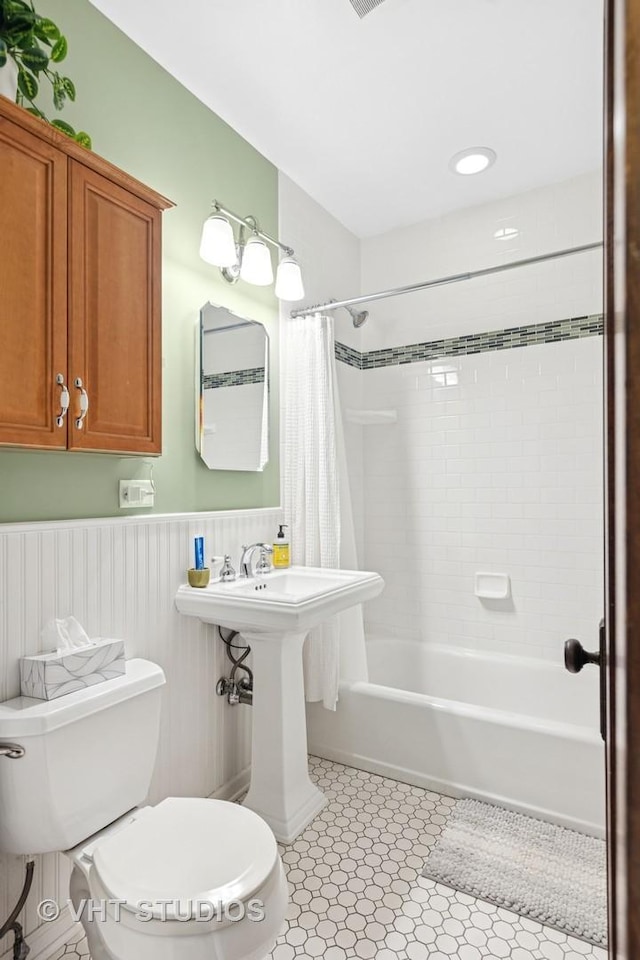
column 353, row 358
column 233, row 378
column 508, row 339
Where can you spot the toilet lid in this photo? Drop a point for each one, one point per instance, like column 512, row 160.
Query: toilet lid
column 187, row 851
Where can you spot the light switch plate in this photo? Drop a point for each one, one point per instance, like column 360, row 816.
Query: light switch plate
column 136, row 494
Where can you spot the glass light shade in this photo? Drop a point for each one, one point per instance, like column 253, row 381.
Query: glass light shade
column 218, row 245
column 256, row 263
column 289, row 284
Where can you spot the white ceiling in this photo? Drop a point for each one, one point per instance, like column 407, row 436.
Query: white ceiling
column 364, row 114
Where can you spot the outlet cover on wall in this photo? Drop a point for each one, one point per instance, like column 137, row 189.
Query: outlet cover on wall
column 136, row 493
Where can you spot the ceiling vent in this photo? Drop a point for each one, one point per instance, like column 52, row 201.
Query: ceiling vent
column 363, row 7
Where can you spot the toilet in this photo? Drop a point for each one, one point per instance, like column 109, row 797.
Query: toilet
column 187, row 879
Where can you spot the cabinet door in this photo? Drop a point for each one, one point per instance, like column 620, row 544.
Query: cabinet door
column 114, row 316
column 33, row 289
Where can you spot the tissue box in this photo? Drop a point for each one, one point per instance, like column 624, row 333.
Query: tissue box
column 52, row 675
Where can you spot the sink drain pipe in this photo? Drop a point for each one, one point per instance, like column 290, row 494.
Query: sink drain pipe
column 236, row 690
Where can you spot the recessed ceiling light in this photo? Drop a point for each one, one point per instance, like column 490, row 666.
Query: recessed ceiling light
column 472, row 160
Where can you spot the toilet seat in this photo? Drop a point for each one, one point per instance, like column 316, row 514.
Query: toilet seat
column 187, row 852
column 183, row 854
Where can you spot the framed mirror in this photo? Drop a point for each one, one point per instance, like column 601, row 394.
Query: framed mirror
column 232, row 429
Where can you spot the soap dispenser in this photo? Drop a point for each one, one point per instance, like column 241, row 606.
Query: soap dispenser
column 281, row 556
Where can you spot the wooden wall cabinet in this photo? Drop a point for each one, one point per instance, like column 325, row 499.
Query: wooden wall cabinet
column 80, row 296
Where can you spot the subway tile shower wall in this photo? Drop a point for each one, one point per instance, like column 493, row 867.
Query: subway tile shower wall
column 494, row 464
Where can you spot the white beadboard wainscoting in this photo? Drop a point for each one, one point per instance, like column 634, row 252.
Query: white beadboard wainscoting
column 119, row 578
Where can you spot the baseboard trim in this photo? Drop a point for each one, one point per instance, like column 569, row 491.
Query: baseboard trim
column 234, row 788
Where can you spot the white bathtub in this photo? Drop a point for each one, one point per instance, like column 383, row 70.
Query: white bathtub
column 520, row 733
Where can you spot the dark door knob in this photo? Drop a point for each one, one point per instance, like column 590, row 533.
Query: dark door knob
column 576, row 657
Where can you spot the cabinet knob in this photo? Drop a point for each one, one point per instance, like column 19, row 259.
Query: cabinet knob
column 84, row 402
column 64, row 400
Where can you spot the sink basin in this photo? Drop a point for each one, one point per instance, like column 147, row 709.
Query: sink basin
column 295, row 599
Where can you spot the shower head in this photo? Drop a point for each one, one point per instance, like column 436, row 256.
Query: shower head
column 358, row 316
column 363, row 7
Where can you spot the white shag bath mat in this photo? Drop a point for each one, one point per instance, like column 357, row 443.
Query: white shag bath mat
column 536, row 869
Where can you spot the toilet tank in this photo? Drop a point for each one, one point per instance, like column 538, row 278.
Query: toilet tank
column 89, row 757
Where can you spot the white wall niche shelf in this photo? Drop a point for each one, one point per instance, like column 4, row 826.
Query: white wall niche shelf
column 371, row 417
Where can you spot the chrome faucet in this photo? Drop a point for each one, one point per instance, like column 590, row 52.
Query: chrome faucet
column 263, row 566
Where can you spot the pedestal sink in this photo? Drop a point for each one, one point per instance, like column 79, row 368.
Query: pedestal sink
column 274, row 613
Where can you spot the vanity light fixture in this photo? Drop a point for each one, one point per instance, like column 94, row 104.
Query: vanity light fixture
column 472, row 160
column 289, row 284
column 256, row 263
column 248, row 257
column 218, row 244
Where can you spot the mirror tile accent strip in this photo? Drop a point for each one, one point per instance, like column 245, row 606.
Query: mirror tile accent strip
column 508, row 339
column 233, row 378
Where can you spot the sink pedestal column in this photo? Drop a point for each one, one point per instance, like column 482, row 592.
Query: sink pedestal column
column 281, row 790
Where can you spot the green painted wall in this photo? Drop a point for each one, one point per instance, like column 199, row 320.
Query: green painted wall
column 144, row 121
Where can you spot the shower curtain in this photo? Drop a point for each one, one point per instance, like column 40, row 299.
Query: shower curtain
column 316, row 497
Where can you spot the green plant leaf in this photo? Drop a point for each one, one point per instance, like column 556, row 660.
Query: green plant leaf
column 64, row 127
column 59, row 96
column 12, row 7
column 27, row 84
column 69, row 88
column 35, row 59
column 17, row 24
column 36, row 43
column 83, row 139
column 48, row 29
column 59, row 50
column 36, row 112
column 15, row 10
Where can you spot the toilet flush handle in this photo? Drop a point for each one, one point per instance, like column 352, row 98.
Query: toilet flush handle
column 12, row 750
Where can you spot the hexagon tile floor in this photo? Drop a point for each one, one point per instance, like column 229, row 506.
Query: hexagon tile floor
column 357, row 894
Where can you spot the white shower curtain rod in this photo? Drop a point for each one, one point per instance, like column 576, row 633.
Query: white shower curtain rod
column 441, row 281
